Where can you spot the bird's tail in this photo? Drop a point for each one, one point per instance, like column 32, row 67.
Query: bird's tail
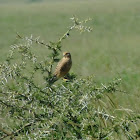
column 53, row 79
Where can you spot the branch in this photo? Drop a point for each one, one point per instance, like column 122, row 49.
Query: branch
column 14, row 107
column 66, row 34
column 34, row 40
column 8, row 134
column 105, row 115
column 5, row 132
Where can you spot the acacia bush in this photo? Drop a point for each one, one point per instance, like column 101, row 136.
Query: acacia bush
column 32, row 108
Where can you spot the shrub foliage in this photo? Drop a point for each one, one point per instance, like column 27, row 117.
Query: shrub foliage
column 32, row 108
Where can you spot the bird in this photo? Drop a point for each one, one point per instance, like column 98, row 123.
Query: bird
column 63, row 67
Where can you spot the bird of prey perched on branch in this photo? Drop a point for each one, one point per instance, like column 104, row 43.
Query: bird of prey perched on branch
column 63, row 67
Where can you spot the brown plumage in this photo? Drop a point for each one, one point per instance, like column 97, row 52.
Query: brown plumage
column 63, row 66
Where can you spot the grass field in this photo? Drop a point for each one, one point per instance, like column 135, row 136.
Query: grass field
column 111, row 50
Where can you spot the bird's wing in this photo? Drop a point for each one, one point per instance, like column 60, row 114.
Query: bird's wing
column 63, row 67
column 59, row 66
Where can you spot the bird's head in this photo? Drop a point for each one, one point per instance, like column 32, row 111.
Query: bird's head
column 66, row 55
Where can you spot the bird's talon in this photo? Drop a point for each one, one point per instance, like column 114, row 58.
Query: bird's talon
column 66, row 80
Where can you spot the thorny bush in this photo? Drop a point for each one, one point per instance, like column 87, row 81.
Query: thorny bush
column 77, row 109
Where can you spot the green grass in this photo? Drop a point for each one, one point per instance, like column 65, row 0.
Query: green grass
column 111, row 50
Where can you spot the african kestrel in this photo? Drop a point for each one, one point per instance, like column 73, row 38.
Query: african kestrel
column 63, row 66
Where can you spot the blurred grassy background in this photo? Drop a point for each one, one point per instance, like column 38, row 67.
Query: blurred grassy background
column 111, row 50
